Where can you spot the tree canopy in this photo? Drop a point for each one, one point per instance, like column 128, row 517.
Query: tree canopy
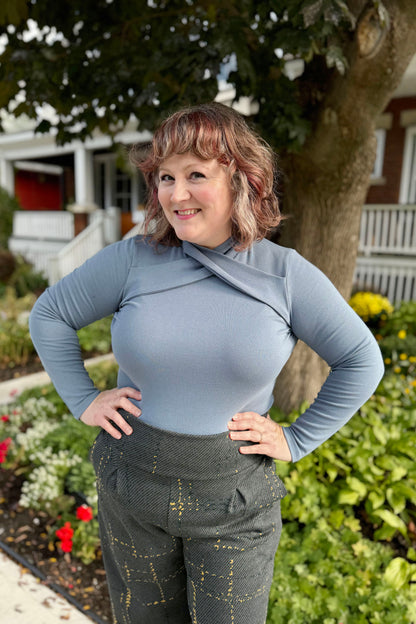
column 99, row 62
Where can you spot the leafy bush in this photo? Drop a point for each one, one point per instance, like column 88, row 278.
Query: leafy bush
column 399, row 352
column 325, row 576
column 8, row 206
column 97, row 336
column 7, row 265
column 16, row 346
column 15, row 342
column 365, row 471
column 403, row 318
column 25, row 279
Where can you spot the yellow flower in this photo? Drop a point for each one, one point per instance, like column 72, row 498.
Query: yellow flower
column 407, row 390
column 397, row 369
column 402, row 334
column 370, row 305
column 413, row 383
column 387, row 361
column 403, row 356
column 412, row 358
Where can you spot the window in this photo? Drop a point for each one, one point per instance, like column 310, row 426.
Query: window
column 115, row 187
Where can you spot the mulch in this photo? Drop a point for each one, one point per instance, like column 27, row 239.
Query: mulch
column 33, row 366
column 27, row 533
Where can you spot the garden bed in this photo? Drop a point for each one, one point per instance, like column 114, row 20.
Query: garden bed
column 27, row 533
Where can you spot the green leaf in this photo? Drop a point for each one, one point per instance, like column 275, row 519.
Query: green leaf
column 348, row 497
column 396, row 500
column 357, row 486
column 336, row 518
column 392, row 520
column 411, row 554
column 376, row 498
column 398, row 473
column 398, row 572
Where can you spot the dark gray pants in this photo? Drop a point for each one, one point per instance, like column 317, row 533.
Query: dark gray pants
column 189, row 527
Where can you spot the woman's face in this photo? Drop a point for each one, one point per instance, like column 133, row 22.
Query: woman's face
column 196, row 198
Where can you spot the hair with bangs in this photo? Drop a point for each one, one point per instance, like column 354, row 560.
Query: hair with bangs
column 215, row 131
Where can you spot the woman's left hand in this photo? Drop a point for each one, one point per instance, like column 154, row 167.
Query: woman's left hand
column 267, row 435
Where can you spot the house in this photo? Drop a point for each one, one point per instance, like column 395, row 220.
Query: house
column 85, row 188
column 387, row 252
column 76, row 197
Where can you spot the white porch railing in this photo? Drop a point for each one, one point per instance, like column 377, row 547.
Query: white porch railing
column 388, row 229
column 46, row 239
column 43, row 225
column 393, row 277
column 387, row 251
column 82, row 247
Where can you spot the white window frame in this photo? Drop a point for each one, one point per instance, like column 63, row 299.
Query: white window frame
column 377, row 173
column 408, row 180
column 109, row 199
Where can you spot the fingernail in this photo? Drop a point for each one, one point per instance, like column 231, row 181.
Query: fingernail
column 138, row 413
column 129, row 431
column 236, row 416
column 229, row 424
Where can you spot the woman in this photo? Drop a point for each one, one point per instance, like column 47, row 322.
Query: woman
column 206, row 313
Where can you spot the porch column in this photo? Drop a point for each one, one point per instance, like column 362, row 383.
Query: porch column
column 84, row 176
column 7, row 175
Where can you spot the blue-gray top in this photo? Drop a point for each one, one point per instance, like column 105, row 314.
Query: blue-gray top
column 204, row 333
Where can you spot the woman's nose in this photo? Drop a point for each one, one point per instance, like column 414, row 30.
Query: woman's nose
column 180, row 191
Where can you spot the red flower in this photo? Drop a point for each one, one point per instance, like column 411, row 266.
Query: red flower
column 84, row 513
column 4, row 447
column 66, row 545
column 5, row 418
column 65, row 533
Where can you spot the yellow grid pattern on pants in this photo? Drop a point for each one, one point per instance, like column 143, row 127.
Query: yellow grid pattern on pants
column 189, row 527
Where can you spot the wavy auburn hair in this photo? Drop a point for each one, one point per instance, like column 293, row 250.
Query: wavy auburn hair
column 215, row 131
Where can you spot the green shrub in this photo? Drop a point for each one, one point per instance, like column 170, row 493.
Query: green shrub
column 25, row 279
column 328, row 576
column 7, row 265
column 403, row 318
column 15, row 343
column 97, row 336
column 365, row 471
column 8, row 206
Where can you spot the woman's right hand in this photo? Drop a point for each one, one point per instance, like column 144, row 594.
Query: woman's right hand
column 103, row 410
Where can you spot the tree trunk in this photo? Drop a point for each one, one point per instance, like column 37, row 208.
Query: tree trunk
column 326, row 184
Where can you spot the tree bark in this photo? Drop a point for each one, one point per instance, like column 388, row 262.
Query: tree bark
column 326, row 183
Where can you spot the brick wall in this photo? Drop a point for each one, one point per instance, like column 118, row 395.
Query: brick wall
column 388, row 193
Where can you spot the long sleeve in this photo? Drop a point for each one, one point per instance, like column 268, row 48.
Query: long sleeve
column 324, row 321
column 89, row 293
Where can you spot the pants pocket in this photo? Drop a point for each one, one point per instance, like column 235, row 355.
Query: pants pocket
column 258, row 489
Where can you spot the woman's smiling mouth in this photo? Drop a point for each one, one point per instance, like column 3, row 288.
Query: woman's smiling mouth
column 185, row 214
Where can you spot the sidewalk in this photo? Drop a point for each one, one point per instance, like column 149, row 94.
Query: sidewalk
column 9, row 388
column 25, row 600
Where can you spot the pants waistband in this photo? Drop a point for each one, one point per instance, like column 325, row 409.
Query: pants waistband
column 172, row 454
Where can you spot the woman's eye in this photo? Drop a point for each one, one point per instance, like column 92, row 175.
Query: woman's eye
column 165, row 177
column 197, row 174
